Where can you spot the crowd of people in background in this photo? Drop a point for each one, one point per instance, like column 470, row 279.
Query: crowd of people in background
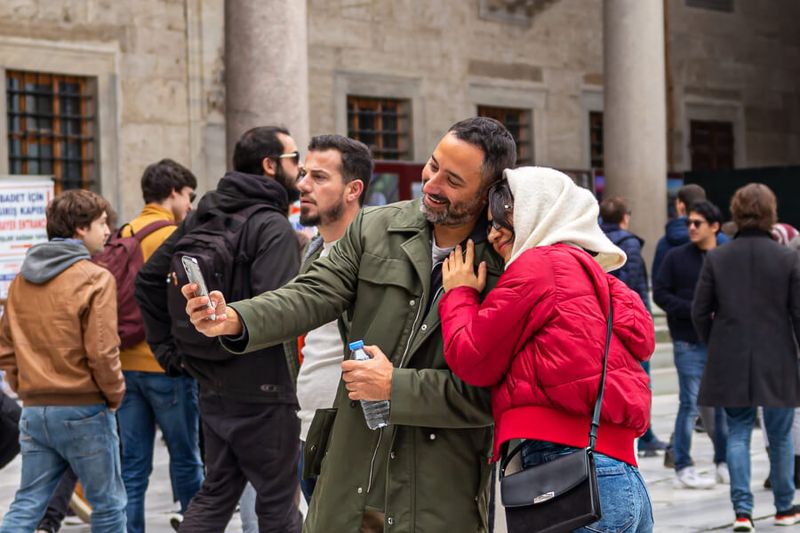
column 483, row 305
column 732, row 302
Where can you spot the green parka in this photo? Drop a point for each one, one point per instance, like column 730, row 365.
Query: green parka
column 428, row 471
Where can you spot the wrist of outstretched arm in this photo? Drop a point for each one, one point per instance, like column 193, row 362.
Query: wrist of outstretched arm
column 233, row 323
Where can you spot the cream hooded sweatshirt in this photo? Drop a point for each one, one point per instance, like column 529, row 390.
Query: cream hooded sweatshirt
column 549, row 208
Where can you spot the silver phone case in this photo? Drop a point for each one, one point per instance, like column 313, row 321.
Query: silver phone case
column 196, row 276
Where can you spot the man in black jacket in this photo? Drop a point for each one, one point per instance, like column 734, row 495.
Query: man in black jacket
column 247, row 404
column 673, row 290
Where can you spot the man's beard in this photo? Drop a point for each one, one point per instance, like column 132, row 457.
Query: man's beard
column 456, row 214
column 287, row 183
column 331, row 215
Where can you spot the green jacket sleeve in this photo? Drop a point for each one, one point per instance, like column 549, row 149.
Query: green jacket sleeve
column 311, row 300
column 437, row 398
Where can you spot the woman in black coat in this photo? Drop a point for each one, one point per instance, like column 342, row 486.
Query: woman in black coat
column 747, row 310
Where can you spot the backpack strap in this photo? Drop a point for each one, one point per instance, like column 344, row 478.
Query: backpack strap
column 150, row 228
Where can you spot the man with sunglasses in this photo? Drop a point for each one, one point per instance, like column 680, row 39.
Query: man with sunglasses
column 242, row 239
column 153, row 397
column 673, row 291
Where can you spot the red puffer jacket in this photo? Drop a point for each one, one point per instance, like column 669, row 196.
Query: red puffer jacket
column 538, row 341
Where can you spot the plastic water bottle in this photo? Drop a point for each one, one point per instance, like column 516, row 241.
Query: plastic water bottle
column 376, row 413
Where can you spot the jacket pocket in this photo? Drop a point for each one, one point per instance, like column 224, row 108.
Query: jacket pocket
column 317, row 441
column 387, row 271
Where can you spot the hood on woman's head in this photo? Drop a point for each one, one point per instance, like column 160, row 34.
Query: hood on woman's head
column 549, row 208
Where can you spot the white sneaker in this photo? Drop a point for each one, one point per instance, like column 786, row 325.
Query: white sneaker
column 688, row 478
column 723, row 474
column 743, row 523
column 789, row 517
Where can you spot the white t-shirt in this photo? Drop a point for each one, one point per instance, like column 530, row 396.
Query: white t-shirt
column 320, row 372
column 439, row 254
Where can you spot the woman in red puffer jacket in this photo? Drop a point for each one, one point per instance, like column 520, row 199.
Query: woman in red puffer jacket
column 539, row 336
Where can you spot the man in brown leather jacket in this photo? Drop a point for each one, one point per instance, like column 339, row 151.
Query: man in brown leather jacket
column 60, row 350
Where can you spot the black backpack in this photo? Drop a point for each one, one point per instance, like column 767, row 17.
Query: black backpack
column 216, row 244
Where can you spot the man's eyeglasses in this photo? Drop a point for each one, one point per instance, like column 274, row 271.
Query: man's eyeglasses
column 192, row 197
column 694, row 222
column 294, row 156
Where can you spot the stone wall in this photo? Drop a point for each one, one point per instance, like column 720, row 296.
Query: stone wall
column 451, row 59
column 162, row 78
column 160, row 71
column 742, row 67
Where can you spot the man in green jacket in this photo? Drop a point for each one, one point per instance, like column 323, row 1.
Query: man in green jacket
column 428, row 470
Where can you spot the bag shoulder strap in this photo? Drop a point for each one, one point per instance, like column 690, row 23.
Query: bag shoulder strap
column 150, row 228
column 598, row 404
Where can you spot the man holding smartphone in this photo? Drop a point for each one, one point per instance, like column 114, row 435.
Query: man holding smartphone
column 428, row 470
column 242, row 240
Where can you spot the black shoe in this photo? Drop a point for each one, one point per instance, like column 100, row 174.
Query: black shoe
column 651, row 448
column 797, row 471
column 654, row 445
column 698, row 425
column 669, row 455
column 669, row 458
column 175, row 520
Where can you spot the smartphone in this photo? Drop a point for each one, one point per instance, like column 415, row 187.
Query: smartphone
column 194, row 274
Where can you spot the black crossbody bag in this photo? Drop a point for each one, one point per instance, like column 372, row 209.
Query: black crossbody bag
column 560, row 495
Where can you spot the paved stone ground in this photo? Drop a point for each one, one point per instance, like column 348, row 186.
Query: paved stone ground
column 675, row 510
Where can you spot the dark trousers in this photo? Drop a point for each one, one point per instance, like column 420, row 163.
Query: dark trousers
column 255, row 442
column 59, row 502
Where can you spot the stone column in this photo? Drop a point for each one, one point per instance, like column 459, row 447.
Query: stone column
column 266, row 68
column 634, row 121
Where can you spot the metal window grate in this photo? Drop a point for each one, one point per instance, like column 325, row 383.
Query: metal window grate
column 383, row 124
column 518, row 122
column 596, row 139
column 51, row 127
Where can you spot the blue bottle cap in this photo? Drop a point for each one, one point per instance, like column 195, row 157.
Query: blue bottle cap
column 355, row 345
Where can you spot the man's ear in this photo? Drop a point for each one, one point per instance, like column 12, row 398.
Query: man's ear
column 356, row 190
column 269, row 166
column 80, row 233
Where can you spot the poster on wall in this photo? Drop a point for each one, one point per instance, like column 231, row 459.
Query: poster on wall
column 23, row 202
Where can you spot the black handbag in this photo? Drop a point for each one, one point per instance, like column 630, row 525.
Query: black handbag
column 560, row 495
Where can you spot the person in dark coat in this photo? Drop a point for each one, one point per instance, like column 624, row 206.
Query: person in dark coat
column 747, row 309
column 247, row 404
column 616, row 218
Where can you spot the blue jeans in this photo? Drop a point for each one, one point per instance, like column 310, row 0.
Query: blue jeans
column 306, row 485
column 247, row 510
column 690, row 362
column 171, row 402
column 624, row 500
column 778, row 425
column 81, row 437
column 720, row 436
